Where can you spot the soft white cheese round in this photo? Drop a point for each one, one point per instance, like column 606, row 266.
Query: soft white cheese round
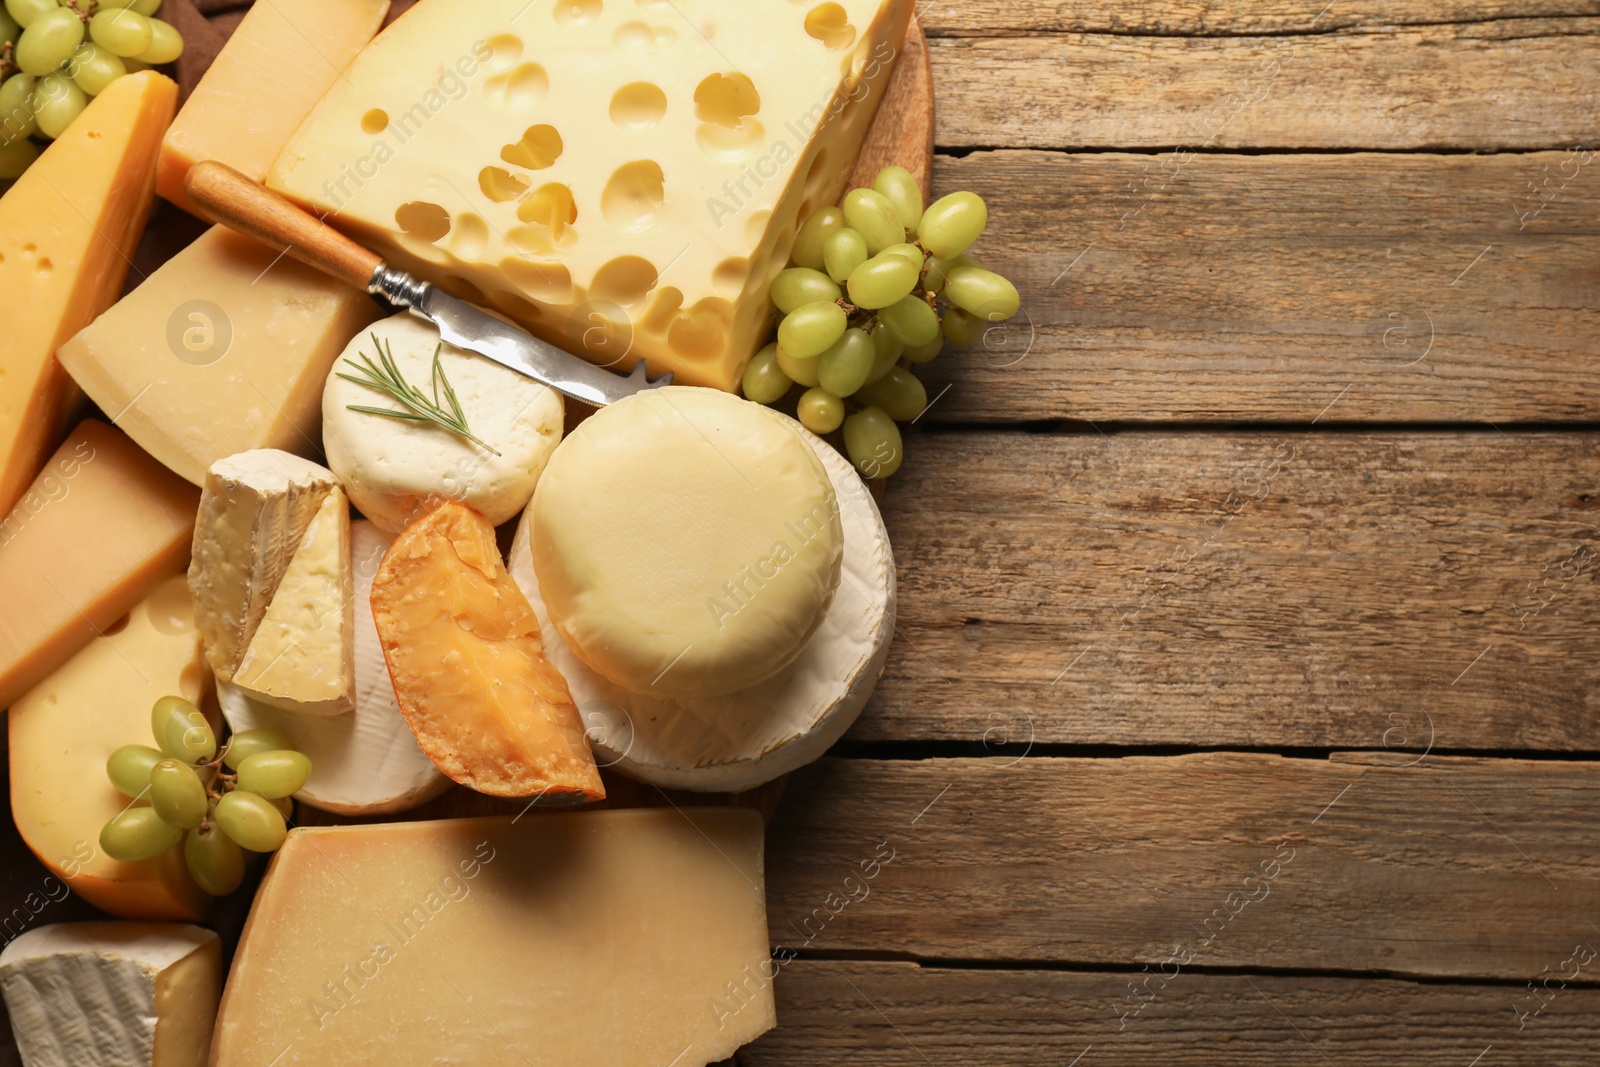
column 687, row 543
column 743, row 739
column 395, row 471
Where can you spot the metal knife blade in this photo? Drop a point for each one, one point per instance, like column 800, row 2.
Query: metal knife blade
column 467, row 327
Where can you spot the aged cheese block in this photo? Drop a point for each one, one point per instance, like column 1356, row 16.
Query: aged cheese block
column 607, row 939
column 61, row 734
column 469, row 669
column 623, row 178
column 742, row 739
column 368, row 762
column 302, row 657
column 687, row 543
column 68, row 231
column 255, row 508
column 134, row 994
column 101, row 526
column 222, row 350
column 396, row 472
column 277, row 62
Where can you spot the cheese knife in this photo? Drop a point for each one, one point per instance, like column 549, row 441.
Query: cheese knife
column 227, row 197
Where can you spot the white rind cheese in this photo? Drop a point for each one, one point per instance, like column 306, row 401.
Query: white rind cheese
column 368, row 762
column 302, row 656
column 741, row 740
column 687, row 543
column 396, row 471
column 254, row 510
column 131, row 994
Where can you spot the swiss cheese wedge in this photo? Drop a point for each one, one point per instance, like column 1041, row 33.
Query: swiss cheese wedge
column 468, row 666
column 68, row 230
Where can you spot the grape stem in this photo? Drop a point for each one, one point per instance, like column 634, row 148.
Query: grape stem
column 8, row 65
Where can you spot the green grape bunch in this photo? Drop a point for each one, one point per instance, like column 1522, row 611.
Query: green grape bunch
column 878, row 285
column 56, row 54
column 215, row 804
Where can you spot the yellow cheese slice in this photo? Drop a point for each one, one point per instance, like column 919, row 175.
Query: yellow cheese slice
column 277, row 62
column 687, row 542
column 632, row 938
column 68, row 231
column 101, row 526
column 302, row 657
column 623, row 178
column 222, row 350
column 61, row 733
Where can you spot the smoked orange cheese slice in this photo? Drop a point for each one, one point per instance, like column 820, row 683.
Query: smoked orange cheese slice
column 468, row 666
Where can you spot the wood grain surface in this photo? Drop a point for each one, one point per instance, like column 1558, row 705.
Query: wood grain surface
column 1260, row 588
column 1364, row 863
column 902, row 1015
column 1194, row 286
column 1216, row 18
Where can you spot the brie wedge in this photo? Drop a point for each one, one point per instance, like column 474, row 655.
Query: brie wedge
column 743, row 739
column 134, row 994
column 365, row 763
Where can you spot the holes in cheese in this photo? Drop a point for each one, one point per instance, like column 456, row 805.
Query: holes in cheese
column 638, row 105
column 830, row 24
column 519, row 89
column 538, row 147
column 422, row 219
column 625, row 280
column 468, row 666
column 633, row 195
column 500, row 185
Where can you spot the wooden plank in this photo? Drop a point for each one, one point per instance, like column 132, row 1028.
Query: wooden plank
column 1177, row 18
column 1223, row 287
column 1513, row 84
column 1450, row 867
column 902, row 1015
column 1246, row 589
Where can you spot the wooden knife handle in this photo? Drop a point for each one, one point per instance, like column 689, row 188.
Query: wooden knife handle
column 224, row 195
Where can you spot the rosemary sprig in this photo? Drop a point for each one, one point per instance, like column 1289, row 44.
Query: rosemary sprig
column 386, row 379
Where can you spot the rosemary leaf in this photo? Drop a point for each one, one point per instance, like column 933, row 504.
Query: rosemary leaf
column 384, row 377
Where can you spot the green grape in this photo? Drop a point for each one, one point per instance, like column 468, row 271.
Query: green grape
column 129, row 768
column 23, row 12
column 900, row 395
column 982, row 292
column 17, row 107
column 901, row 189
column 48, row 42
column 882, row 280
column 808, row 242
column 873, row 442
column 802, row 285
column 181, row 731
column 242, row 746
column 144, row 7
column 274, row 774
column 939, row 270
column 8, row 27
column 138, row 834
column 808, row 330
column 924, row 353
column 961, row 327
column 820, row 411
column 871, row 214
column 952, row 223
column 844, row 367
column 176, row 794
column 886, row 351
column 911, row 320
column 215, row 861
column 802, row 371
column 764, row 380
column 165, row 44
column 843, row 252
column 251, row 821
column 285, row 806
column 93, row 68
column 121, row 32
column 58, row 102
column 910, row 251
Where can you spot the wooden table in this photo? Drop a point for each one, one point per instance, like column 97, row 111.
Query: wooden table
column 1244, row 706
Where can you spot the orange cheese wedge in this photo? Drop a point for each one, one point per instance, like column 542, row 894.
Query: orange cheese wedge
column 469, row 669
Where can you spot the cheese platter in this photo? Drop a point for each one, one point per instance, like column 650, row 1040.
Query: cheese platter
column 479, row 517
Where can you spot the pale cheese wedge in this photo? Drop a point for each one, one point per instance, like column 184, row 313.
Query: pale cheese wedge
column 131, row 994
column 302, row 657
